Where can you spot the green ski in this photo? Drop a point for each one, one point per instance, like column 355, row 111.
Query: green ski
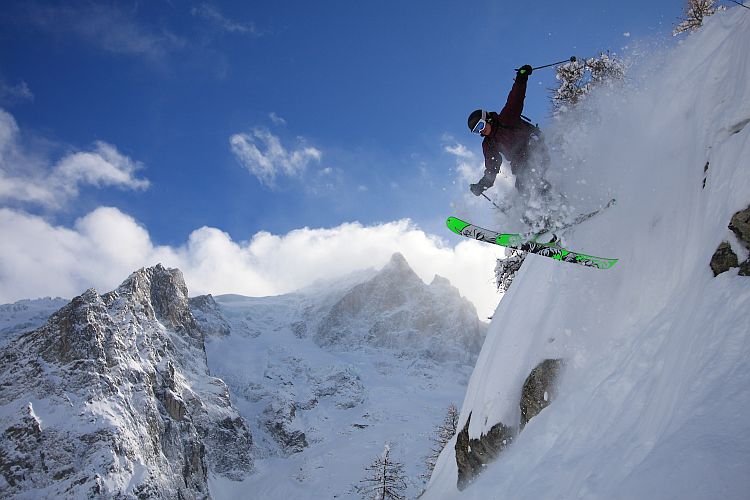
column 522, row 242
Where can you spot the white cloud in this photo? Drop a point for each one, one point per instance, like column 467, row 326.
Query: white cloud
column 26, row 179
column 271, row 159
column 105, row 246
column 212, row 14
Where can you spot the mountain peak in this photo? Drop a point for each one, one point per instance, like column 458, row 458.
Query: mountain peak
column 397, row 262
column 161, row 293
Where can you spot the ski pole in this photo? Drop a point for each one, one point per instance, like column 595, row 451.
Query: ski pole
column 740, row 4
column 572, row 59
column 496, row 205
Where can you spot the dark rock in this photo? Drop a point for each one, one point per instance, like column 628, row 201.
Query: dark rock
column 472, row 455
column 539, row 389
column 740, row 225
column 723, row 259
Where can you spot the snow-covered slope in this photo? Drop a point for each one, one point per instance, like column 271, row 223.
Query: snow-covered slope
column 326, row 376
column 655, row 395
column 26, row 315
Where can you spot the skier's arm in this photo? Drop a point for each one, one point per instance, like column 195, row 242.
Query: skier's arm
column 511, row 113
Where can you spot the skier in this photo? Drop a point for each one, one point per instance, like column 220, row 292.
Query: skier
column 509, row 134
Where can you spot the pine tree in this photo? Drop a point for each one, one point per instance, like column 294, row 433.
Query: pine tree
column 444, row 432
column 506, row 269
column 578, row 78
column 695, row 11
column 386, row 479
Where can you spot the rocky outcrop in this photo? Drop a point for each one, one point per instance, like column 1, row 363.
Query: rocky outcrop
column 723, row 259
column 539, row 389
column 472, row 455
column 740, row 225
column 112, row 397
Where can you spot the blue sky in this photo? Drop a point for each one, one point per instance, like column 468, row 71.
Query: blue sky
column 273, row 116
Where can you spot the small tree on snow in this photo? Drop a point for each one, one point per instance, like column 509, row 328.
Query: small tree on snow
column 695, row 11
column 506, row 269
column 385, row 479
column 578, row 78
column 444, row 432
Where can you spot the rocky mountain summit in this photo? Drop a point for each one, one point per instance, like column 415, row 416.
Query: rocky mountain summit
column 113, row 398
column 396, row 310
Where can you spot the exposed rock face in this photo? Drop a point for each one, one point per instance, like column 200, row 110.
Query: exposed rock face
column 473, row 454
column 209, row 316
column 539, row 389
column 723, row 259
column 112, row 398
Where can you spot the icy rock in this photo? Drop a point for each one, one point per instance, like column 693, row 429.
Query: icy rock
column 539, row 389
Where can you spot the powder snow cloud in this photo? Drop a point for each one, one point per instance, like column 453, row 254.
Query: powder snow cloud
column 106, row 245
column 27, row 179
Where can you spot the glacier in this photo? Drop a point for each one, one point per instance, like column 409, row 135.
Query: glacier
column 654, row 397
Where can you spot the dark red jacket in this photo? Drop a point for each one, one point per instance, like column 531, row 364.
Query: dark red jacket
column 510, row 134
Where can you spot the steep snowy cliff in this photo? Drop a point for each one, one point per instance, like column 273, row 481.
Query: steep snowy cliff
column 654, row 391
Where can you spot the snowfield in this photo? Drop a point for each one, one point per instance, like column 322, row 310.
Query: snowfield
column 655, row 397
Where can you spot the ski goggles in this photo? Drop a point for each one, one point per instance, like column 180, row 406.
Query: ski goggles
column 481, row 124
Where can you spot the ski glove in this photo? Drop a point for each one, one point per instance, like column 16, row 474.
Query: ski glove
column 525, row 70
column 484, row 183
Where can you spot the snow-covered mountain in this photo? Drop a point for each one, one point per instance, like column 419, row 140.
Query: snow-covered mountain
column 328, row 375
column 114, row 396
column 647, row 387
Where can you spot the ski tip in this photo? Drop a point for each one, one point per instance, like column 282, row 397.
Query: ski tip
column 456, row 225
